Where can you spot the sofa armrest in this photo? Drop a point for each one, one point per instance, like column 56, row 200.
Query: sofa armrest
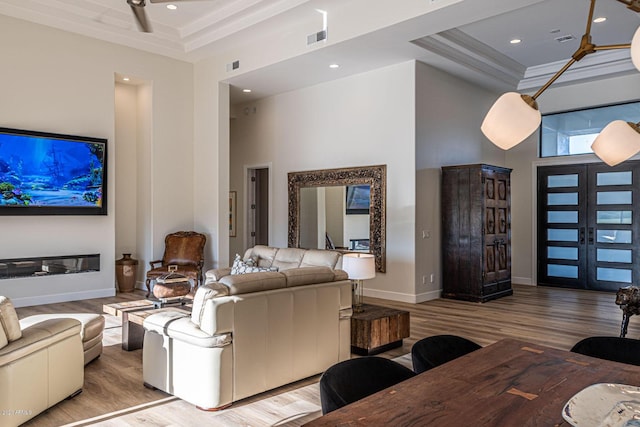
column 214, row 275
column 39, row 336
column 180, row 327
column 160, row 322
column 340, row 274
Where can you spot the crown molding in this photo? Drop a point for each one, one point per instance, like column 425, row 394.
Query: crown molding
column 464, row 50
column 96, row 20
column 468, row 52
column 594, row 67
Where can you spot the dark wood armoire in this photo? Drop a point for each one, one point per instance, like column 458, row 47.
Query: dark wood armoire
column 476, row 232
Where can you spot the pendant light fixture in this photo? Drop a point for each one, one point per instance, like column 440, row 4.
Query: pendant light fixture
column 514, row 117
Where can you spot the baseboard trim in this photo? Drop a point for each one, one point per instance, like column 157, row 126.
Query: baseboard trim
column 70, row 296
column 522, row 281
column 401, row 297
column 427, row 296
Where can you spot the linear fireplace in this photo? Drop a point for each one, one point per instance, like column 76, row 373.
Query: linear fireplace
column 46, row 266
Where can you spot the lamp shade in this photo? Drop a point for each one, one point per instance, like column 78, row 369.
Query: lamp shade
column 635, row 49
column 618, row 141
column 510, row 120
column 359, row 266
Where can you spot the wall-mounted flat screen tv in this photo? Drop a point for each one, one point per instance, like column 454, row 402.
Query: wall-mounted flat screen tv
column 52, row 174
column 358, row 199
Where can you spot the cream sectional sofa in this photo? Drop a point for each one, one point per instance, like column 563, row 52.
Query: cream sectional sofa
column 249, row 333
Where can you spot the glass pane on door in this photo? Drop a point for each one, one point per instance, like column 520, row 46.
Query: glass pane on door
column 614, row 178
column 613, row 217
column 567, row 271
column 562, row 217
column 558, row 181
column 614, row 255
column 559, row 252
column 614, row 197
column 557, row 199
column 614, row 275
column 614, row 236
column 562, row 235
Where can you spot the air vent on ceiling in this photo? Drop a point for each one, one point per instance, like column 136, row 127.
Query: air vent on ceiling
column 233, row 66
column 316, row 37
column 563, row 39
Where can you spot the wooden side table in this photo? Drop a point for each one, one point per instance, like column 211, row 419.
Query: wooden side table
column 377, row 329
column 133, row 314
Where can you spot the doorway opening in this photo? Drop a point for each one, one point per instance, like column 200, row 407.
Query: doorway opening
column 257, row 207
column 588, row 226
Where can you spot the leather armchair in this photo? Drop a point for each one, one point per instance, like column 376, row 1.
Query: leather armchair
column 40, row 365
column 184, row 253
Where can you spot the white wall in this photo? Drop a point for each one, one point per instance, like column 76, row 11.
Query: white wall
column 449, row 112
column 126, row 213
column 367, row 119
column 278, row 44
column 355, row 227
column 524, row 158
column 60, row 82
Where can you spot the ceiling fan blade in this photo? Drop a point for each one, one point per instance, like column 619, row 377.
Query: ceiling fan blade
column 141, row 17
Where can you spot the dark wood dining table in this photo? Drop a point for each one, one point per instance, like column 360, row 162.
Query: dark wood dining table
column 508, row 383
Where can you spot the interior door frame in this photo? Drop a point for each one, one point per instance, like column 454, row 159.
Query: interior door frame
column 246, row 236
column 548, row 161
column 582, row 171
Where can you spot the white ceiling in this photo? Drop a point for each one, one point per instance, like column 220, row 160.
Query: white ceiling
column 477, row 49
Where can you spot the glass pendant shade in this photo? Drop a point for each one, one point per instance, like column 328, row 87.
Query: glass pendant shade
column 617, row 142
column 510, row 121
column 635, row 49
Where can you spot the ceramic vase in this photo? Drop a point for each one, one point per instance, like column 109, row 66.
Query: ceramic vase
column 126, row 269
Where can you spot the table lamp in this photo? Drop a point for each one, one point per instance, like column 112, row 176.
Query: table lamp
column 359, row 267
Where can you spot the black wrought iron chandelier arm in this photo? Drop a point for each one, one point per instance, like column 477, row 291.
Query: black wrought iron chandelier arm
column 554, row 78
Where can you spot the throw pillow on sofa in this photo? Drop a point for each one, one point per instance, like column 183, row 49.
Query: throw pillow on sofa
column 241, row 267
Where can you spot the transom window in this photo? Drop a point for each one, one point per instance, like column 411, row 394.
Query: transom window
column 573, row 132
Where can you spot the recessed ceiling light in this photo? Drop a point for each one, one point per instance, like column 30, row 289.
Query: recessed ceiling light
column 126, row 79
column 515, row 41
column 172, row 7
column 334, row 66
column 599, row 19
column 246, row 90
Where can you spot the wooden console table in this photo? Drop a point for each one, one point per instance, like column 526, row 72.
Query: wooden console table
column 377, row 329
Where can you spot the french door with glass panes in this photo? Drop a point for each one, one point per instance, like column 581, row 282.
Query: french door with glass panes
column 588, row 226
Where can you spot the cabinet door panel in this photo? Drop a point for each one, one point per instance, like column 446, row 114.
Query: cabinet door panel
column 497, row 225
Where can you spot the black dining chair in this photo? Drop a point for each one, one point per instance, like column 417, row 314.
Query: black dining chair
column 434, row 351
column 616, row 349
column 354, row 379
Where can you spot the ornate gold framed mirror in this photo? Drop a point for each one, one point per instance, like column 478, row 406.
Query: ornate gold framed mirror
column 373, row 176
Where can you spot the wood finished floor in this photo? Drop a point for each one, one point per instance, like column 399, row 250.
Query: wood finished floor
column 113, row 394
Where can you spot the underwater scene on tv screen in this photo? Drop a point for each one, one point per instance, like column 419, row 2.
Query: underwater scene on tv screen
column 40, row 171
